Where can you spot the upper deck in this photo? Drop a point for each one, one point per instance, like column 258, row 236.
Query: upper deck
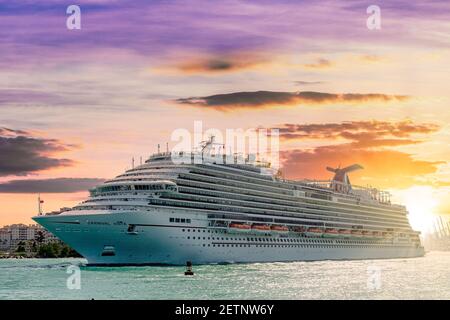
column 251, row 165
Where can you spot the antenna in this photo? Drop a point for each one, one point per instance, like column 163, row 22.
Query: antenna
column 40, row 202
column 140, row 160
column 206, row 145
column 159, row 148
column 167, row 147
column 132, row 163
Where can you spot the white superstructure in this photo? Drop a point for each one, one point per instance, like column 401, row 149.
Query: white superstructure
column 166, row 213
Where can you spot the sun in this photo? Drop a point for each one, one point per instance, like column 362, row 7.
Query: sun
column 421, row 203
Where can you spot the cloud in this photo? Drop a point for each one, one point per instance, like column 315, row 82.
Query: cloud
column 11, row 132
column 366, row 143
column 33, row 98
column 319, row 64
column 307, row 83
column 262, row 99
column 16, row 96
column 207, row 26
column 220, row 63
column 371, row 58
column 58, row 185
column 360, row 133
column 22, row 154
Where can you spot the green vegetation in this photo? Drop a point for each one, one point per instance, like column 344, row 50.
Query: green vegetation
column 56, row 250
column 21, row 247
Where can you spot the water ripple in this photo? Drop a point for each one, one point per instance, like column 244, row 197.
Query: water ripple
column 419, row 278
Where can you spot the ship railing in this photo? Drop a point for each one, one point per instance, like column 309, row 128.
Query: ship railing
column 219, row 157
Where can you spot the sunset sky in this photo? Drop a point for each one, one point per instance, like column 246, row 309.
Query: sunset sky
column 77, row 105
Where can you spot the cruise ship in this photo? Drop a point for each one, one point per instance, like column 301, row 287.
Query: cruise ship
column 170, row 212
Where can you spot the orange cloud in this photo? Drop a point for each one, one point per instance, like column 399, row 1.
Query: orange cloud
column 263, row 99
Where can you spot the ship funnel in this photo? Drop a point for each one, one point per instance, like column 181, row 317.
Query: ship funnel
column 340, row 181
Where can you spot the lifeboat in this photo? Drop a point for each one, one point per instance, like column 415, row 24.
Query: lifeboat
column 356, row 233
column 299, row 229
column 279, row 229
column 377, row 234
column 367, row 234
column 387, row 235
column 261, row 228
column 238, row 228
column 345, row 232
column 331, row 233
column 314, row 232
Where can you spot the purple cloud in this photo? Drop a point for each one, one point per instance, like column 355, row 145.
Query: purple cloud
column 34, row 32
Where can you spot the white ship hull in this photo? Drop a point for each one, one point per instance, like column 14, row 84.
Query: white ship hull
column 103, row 238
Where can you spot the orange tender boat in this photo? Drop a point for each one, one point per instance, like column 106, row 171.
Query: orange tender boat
column 377, row 234
column 280, row 229
column 239, row 227
column 367, row 234
column 314, row 232
column 263, row 228
column 299, row 229
column 356, row 233
column 330, row 232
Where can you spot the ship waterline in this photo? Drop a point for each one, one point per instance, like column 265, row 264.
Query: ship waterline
column 166, row 213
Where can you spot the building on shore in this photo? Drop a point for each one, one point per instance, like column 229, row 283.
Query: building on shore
column 21, row 235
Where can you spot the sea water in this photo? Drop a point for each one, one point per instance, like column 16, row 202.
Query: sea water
column 418, row 278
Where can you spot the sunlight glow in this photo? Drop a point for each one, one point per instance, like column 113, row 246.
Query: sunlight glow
column 420, row 202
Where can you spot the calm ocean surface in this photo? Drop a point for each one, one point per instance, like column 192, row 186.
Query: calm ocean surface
column 418, row 278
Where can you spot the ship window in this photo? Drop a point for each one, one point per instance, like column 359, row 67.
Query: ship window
column 177, row 219
column 171, row 220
